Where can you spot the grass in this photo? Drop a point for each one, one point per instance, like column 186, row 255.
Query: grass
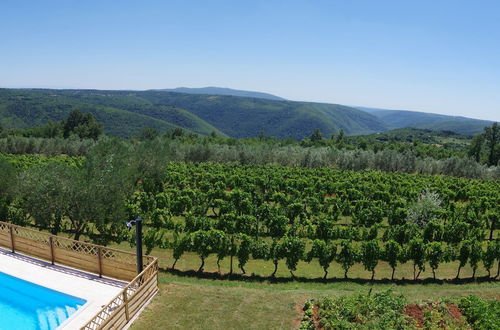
column 188, row 300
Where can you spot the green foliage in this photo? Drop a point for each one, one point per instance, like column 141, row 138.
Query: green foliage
column 324, row 252
column 382, row 310
column 370, row 255
column 293, row 250
column 417, row 253
column 481, row 313
column 425, row 209
column 85, row 126
column 491, row 254
column 435, row 256
column 347, row 256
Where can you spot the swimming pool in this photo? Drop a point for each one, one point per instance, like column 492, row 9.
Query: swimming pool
column 28, row 306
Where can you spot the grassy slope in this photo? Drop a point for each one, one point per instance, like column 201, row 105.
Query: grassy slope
column 190, row 301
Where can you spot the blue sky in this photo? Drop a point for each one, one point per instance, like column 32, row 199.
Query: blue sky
column 438, row 56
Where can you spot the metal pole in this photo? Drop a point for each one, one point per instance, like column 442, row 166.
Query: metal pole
column 138, row 241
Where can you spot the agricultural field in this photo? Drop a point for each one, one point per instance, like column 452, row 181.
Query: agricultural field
column 287, row 215
column 252, row 246
column 297, row 234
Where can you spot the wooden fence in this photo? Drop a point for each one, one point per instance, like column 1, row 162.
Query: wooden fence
column 92, row 258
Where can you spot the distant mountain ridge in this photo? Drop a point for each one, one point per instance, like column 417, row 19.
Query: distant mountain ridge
column 125, row 113
column 395, row 119
column 223, row 91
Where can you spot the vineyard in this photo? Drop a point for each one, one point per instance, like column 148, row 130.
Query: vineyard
column 334, row 218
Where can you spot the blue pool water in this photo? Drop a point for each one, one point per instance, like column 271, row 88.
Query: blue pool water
column 28, row 306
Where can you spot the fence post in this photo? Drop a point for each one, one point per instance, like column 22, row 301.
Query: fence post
column 51, row 241
column 125, row 301
column 99, row 257
column 12, row 239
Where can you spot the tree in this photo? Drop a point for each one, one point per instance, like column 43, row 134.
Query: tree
column 425, row 209
column 347, row 256
column 202, row 245
column 325, row 252
column 148, row 134
column 45, row 191
column 435, row 256
column 370, row 255
column 475, row 255
column 393, row 254
column 99, row 190
column 84, row 125
column 221, row 245
column 227, row 223
column 244, row 251
column 276, row 254
column 179, row 246
column 476, row 147
column 293, row 251
column 490, row 255
column 463, row 256
column 8, row 178
column 316, row 136
column 416, row 252
column 492, row 137
column 340, row 138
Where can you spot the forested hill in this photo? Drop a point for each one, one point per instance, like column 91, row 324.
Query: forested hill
column 223, row 91
column 125, row 113
column 402, row 118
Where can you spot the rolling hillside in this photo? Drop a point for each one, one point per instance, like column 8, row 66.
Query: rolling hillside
column 121, row 113
column 223, row 91
column 402, row 118
column 125, row 113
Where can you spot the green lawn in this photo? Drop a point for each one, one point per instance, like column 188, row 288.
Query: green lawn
column 188, row 300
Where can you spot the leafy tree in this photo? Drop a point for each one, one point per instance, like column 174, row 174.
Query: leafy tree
column 492, row 137
column 148, row 134
column 293, row 250
column 475, row 255
column 393, row 254
column 492, row 218
column 83, row 125
column 316, row 136
column 276, row 254
column 325, row 252
column 490, row 255
column 244, row 251
column 8, row 179
column 347, row 256
column 221, row 245
column 475, row 147
column 463, row 256
column 227, row 223
column 435, row 256
column 202, row 245
column 261, row 250
column 179, row 246
column 425, row 208
column 416, row 253
column 370, row 255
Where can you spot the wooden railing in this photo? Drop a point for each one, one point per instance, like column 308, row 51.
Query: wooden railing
column 128, row 302
column 92, row 258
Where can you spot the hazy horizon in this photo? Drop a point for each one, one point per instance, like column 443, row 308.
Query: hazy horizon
column 437, row 57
